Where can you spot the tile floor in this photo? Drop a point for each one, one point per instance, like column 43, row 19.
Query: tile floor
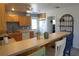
column 51, row 52
column 75, row 52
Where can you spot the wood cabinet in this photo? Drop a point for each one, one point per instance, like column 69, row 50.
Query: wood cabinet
column 24, row 20
column 28, row 18
column 31, row 34
column 11, row 18
column 2, row 17
column 17, row 36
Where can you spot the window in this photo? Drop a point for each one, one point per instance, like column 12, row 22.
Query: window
column 43, row 26
column 34, row 23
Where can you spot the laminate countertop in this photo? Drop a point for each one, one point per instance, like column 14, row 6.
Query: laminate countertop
column 24, row 30
column 27, row 45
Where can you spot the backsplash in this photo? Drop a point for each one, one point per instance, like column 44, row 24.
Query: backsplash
column 13, row 26
column 25, row 27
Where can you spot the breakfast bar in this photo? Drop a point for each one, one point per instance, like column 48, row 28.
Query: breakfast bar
column 18, row 48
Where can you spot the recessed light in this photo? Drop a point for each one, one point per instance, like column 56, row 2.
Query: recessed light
column 57, row 7
column 12, row 9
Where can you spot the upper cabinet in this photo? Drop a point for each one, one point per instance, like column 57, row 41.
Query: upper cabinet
column 17, row 13
column 11, row 18
column 24, row 20
column 28, row 18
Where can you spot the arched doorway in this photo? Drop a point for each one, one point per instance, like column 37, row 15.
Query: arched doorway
column 67, row 25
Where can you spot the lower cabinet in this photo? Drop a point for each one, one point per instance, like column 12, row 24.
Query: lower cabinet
column 40, row 52
column 16, row 36
column 31, row 34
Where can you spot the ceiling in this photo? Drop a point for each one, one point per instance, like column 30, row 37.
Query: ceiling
column 39, row 6
column 55, row 5
column 21, row 7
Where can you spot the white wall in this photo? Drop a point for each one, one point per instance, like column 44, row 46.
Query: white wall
column 74, row 11
column 49, row 25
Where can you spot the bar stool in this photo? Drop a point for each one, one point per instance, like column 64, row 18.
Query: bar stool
column 59, row 47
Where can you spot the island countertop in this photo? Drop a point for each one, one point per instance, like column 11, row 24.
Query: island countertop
column 27, row 45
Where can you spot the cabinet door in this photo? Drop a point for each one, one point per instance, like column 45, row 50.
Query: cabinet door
column 31, row 34
column 16, row 36
column 24, row 20
column 2, row 17
column 28, row 20
column 11, row 18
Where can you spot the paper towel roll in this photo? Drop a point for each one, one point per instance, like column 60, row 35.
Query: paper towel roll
column 5, row 40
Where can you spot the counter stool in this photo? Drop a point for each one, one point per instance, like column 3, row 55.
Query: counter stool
column 59, row 47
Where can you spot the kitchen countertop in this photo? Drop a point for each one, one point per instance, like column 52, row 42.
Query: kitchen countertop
column 19, row 31
column 27, row 45
column 2, row 35
column 24, row 30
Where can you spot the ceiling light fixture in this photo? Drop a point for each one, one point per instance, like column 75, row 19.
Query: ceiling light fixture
column 28, row 11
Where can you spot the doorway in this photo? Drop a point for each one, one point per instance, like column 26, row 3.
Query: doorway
column 51, row 24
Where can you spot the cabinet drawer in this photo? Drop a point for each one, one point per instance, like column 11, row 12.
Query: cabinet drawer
column 25, row 20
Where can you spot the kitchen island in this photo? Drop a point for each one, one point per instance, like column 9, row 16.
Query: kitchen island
column 20, row 47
